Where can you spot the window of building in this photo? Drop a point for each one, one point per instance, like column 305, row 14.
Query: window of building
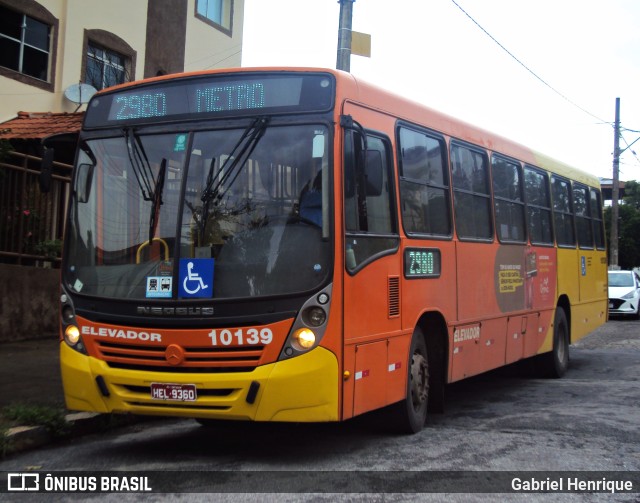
column 563, row 211
column 508, row 200
column 584, row 226
column 108, row 60
column 218, row 13
column 596, row 215
column 26, row 42
column 105, row 68
column 536, row 187
column 471, row 194
column 424, row 183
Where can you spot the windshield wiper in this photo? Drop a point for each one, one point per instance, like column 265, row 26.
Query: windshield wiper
column 140, row 164
column 231, row 168
column 150, row 186
column 237, row 157
column 157, row 200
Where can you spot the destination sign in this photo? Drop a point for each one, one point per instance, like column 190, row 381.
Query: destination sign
column 212, row 95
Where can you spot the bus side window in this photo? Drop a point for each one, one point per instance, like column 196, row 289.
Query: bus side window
column 584, row 226
column 367, row 195
column 563, row 211
column 596, row 215
column 369, row 217
column 536, row 186
column 471, row 194
column 424, row 184
column 508, row 200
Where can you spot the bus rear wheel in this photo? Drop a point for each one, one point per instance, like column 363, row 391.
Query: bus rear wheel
column 557, row 362
column 411, row 413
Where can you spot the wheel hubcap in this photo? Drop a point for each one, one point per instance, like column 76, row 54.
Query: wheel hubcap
column 419, row 380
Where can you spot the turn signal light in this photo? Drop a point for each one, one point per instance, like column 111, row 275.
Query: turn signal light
column 72, row 335
column 304, row 339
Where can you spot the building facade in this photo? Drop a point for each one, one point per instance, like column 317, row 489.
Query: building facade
column 48, row 47
column 51, row 51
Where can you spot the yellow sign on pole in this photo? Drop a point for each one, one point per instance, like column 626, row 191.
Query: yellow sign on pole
column 361, row 44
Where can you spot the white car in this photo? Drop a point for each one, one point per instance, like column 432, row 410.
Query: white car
column 624, row 293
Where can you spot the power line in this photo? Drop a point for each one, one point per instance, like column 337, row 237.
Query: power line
column 629, row 147
column 224, row 59
column 527, row 68
column 210, row 55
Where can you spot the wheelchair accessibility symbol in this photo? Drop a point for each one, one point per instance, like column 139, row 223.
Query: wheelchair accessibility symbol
column 196, row 277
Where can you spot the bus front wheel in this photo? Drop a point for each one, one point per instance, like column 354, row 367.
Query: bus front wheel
column 411, row 413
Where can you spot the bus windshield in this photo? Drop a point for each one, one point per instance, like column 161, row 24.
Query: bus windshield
column 245, row 210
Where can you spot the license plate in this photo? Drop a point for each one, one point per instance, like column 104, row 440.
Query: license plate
column 168, row 391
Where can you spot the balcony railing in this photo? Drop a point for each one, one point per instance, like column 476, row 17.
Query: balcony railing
column 31, row 223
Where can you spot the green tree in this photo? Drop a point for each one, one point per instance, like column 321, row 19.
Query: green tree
column 628, row 226
column 632, row 194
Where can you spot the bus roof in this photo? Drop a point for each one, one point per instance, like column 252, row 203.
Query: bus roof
column 375, row 97
column 353, row 89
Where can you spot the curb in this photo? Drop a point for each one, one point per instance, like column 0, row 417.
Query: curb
column 22, row 438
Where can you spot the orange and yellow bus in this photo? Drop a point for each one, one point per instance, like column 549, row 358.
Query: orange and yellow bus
column 276, row 244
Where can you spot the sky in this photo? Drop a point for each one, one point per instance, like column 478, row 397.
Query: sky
column 584, row 54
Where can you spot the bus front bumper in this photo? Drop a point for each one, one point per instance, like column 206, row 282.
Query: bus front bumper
column 301, row 389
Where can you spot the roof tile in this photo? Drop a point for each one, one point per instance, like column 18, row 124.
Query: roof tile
column 38, row 125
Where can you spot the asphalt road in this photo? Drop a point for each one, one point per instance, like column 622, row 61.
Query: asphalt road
column 507, row 420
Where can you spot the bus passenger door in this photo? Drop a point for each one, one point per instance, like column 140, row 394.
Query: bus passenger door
column 373, row 350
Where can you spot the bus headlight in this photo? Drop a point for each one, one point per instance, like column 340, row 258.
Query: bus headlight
column 69, row 324
column 72, row 335
column 314, row 316
column 303, row 339
column 310, row 326
column 67, row 314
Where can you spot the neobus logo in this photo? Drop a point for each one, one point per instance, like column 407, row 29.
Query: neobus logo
column 173, row 311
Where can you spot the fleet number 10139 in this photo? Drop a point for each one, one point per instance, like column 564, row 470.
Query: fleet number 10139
column 241, row 337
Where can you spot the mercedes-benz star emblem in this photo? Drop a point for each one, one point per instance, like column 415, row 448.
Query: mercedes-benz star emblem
column 174, row 354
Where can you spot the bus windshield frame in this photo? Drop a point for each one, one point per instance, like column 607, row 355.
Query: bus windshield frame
column 241, row 200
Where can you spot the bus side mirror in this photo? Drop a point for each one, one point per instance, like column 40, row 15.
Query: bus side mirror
column 373, row 171
column 46, row 169
column 84, row 179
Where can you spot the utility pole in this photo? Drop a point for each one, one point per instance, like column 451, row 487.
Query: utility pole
column 615, row 191
column 344, row 35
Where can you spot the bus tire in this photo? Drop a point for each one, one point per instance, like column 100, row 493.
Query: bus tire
column 557, row 362
column 410, row 414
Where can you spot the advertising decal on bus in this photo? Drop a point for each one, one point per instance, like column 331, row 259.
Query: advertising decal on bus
column 524, row 278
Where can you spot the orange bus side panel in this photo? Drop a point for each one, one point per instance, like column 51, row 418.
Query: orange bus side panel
column 476, row 295
column 349, row 365
column 377, row 375
column 397, row 368
column 477, row 347
column 370, row 377
column 517, row 327
column 432, row 294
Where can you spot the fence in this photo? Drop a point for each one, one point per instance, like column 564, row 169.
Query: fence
column 31, row 223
